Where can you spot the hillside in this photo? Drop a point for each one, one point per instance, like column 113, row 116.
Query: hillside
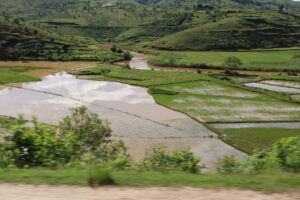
column 238, row 32
column 134, row 20
column 20, row 41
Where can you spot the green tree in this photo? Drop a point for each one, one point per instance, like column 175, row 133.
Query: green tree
column 232, row 62
column 93, row 134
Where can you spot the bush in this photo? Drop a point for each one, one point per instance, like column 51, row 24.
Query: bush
column 93, row 135
column 120, row 163
column 127, row 55
column 228, row 165
column 232, row 62
column 37, row 145
column 287, row 153
column 99, row 175
column 158, row 159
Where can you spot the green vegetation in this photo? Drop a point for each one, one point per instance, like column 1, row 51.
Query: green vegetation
column 210, row 101
column 206, row 97
column 158, row 159
column 20, row 41
column 80, row 137
column 284, row 155
column 145, row 78
column 39, row 145
column 260, row 60
column 265, row 182
column 248, row 139
column 13, row 74
column 239, row 32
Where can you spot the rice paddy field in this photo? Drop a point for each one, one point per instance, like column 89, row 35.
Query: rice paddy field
column 249, row 139
column 209, row 99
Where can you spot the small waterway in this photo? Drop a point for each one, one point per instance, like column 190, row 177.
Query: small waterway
column 273, row 87
column 288, row 125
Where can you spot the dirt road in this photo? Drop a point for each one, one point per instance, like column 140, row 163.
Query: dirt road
column 45, row 192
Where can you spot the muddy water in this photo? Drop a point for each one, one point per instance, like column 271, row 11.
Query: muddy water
column 139, row 61
column 273, row 87
column 133, row 114
column 289, row 125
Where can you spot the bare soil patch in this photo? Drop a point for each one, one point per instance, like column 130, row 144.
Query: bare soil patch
column 45, row 192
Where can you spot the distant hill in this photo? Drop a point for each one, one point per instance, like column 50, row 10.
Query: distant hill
column 243, row 32
column 21, row 41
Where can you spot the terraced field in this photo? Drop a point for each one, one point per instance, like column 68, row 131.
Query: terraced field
column 212, row 102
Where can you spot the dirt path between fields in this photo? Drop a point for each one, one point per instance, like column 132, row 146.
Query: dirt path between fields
column 45, row 192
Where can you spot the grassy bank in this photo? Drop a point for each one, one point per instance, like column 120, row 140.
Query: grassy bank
column 13, row 74
column 248, row 139
column 260, row 60
column 266, row 182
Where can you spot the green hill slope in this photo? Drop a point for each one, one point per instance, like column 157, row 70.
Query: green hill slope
column 20, row 41
column 246, row 32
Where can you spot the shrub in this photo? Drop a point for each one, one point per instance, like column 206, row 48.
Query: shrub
column 113, row 48
column 93, row 135
column 37, row 145
column 127, row 55
column 184, row 160
column 120, row 163
column 256, row 163
column 287, row 153
column 99, row 175
column 228, row 165
column 232, row 62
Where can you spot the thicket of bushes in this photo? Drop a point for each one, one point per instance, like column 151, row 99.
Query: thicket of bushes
column 82, row 139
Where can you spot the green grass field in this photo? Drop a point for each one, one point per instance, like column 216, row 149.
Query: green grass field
column 262, row 60
column 267, row 182
column 13, row 74
column 248, row 139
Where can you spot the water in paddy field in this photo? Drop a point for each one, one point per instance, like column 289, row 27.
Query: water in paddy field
column 274, row 88
column 132, row 112
column 64, row 90
column 289, row 125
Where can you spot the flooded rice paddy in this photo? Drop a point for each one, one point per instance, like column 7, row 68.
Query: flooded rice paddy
column 267, row 86
column 132, row 112
column 288, row 125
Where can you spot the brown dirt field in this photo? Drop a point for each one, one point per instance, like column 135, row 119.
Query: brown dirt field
column 45, row 192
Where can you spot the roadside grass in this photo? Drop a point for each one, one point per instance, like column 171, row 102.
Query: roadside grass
column 249, row 139
column 260, row 60
column 275, row 182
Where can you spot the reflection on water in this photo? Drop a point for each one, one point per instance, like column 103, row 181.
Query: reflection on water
column 273, row 87
column 283, row 83
column 91, row 91
column 121, row 97
column 290, row 125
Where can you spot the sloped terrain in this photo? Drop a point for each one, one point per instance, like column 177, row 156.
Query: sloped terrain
column 21, row 41
column 246, row 32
